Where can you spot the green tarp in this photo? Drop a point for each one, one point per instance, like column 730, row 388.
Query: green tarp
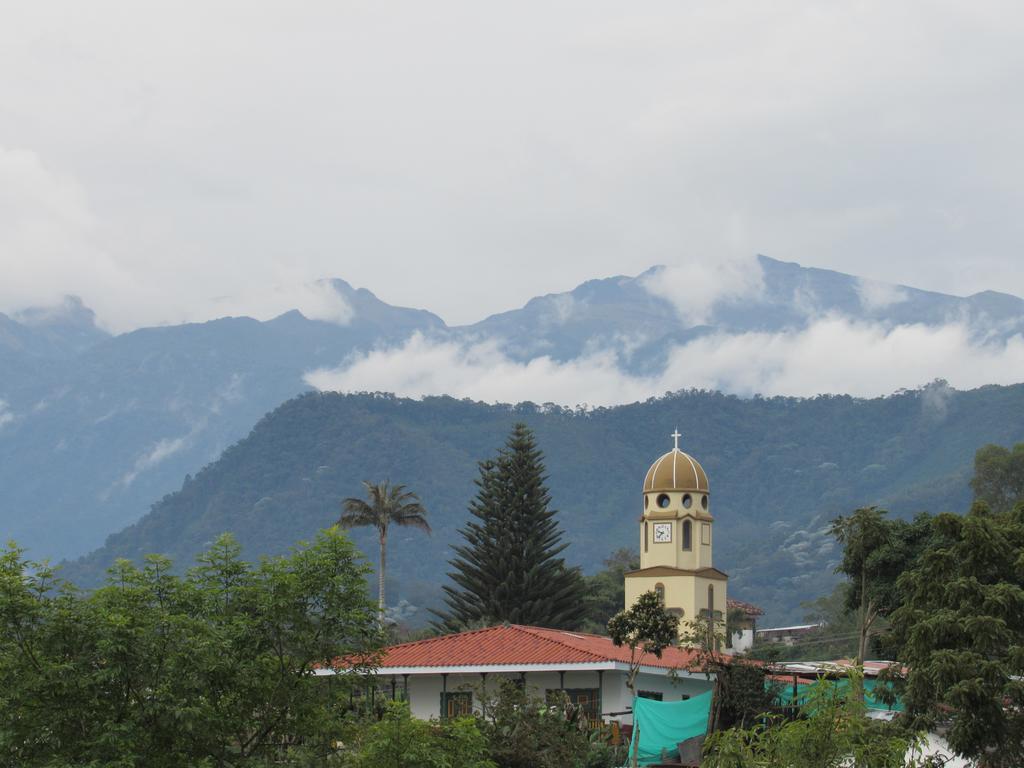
column 786, row 694
column 663, row 724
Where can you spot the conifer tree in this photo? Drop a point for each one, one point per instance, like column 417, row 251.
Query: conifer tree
column 509, row 568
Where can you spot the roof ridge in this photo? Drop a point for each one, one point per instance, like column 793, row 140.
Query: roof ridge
column 573, row 632
column 532, row 631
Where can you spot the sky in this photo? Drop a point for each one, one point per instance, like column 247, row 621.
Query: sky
column 182, row 161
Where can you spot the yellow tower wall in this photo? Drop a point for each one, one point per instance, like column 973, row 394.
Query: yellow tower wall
column 684, row 575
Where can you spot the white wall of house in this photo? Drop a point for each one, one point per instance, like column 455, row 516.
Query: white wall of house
column 425, row 689
column 671, row 690
column 742, row 640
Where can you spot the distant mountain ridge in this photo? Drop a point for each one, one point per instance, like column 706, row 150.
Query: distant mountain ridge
column 94, row 427
column 779, row 470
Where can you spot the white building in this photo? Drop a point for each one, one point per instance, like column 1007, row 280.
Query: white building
column 786, row 635
column 444, row 676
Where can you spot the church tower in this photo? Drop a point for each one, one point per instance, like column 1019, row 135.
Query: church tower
column 676, row 537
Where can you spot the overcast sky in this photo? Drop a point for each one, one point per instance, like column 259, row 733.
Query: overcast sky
column 183, row 160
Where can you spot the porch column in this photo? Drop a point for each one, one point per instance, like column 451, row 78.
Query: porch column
column 600, row 694
column 443, row 713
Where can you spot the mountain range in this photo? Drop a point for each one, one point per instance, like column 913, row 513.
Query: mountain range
column 95, row 428
column 780, row 469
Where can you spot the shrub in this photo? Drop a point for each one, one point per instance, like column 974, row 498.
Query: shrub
column 399, row 740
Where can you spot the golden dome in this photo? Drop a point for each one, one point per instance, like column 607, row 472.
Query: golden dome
column 676, row 471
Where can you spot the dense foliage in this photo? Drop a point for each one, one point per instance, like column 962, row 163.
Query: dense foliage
column 952, row 588
column 524, row 731
column 509, row 568
column 213, row 668
column 960, row 631
column 832, row 731
column 398, row 740
column 876, row 551
column 780, row 469
column 999, row 476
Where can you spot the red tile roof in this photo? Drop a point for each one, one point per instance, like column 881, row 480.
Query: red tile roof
column 748, row 608
column 514, row 644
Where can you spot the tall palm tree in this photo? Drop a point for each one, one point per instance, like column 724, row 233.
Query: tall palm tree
column 386, row 505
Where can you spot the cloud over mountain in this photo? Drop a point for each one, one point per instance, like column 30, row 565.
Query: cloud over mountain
column 832, row 355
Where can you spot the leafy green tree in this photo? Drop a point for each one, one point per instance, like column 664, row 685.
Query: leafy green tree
column 387, row 505
column 509, row 568
column 398, row 740
column 999, row 476
column 524, row 731
column 875, row 552
column 645, row 627
column 742, row 690
column 213, row 668
column 960, row 632
column 832, row 731
column 863, row 535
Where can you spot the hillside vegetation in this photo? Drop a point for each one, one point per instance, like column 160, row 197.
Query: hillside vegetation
column 780, row 470
column 94, row 428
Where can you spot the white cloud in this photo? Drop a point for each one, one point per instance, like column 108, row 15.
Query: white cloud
column 163, row 449
column 560, row 308
column 875, row 295
column 831, row 355
column 189, row 150
column 317, row 300
column 52, row 244
column 48, row 240
column 936, row 398
column 6, row 415
column 697, row 284
column 837, row 355
column 481, row 370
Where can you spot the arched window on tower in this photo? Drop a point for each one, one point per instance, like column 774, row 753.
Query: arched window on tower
column 659, row 590
column 687, row 534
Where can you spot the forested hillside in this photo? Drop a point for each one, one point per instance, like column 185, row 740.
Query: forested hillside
column 94, row 427
column 780, row 469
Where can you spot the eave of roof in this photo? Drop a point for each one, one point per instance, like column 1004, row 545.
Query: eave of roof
column 515, row 647
column 668, row 570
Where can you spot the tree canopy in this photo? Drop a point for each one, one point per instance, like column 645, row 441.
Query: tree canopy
column 952, row 588
column 213, row 668
column 645, row 627
column 999, row 476
column 876, row 550
column 960, row 631
column 510, row 568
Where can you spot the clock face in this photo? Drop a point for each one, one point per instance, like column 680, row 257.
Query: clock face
column 663, row 531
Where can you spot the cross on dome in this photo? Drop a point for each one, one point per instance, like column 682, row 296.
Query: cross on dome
column 675, row 436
